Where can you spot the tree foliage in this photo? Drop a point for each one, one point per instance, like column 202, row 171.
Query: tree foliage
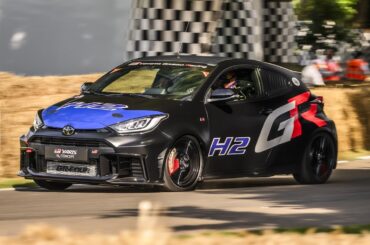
column 319, row 11
column 329, row 19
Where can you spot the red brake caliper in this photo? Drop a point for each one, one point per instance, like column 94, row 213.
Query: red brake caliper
column 174, row 165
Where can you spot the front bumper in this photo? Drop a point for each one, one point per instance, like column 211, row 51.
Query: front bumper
column 119, row 160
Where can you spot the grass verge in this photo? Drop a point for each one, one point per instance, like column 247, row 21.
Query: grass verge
column 46, row 234
column 16, row 182
column 351, row 229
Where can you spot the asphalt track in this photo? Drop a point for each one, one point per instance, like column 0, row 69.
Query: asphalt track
column 233, row 204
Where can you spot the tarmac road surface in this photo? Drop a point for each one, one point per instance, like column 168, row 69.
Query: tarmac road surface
column 251, row 203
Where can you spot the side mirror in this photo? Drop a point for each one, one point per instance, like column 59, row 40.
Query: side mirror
column 86, row 87
column 222, row 94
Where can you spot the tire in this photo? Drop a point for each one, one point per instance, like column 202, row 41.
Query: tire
column 318, row 161
column 51, row 185
column 183, row 165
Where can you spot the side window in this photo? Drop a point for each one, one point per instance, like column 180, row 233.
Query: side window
column 242, row 81
column 274, row 83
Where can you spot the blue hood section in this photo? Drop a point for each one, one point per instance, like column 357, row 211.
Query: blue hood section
column 91, row 115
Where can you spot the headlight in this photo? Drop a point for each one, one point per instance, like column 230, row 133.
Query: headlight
column 138, row 125
column 37, row 122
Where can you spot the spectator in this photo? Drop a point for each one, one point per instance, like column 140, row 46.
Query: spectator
column 357, row 68
column 311, row 75
column 330, row 69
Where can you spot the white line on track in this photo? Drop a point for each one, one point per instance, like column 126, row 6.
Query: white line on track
column 342, row 161
column 364, row 158
column 7, row 189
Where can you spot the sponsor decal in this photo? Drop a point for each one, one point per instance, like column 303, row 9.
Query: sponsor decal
column 65, row 153
column 71, row 169
column 93, row 106
column 75, row 169
column 229, row 146
column 291, row 127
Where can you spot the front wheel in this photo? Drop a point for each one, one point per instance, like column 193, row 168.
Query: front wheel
column 319, row 160
column 183, row 165
column 51, row 185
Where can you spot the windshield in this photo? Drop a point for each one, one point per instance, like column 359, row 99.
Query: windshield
column 166, row 80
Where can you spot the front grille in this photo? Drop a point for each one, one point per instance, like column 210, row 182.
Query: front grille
column 103, row 130
column 68, row 141
column 107, row 163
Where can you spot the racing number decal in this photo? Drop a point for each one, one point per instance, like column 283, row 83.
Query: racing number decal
column 231, row 146
column 292, row 127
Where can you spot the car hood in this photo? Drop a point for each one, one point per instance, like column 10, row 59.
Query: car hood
column 97, row 112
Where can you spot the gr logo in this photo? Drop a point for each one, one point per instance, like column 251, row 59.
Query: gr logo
column 230, row 146
column 291, row 127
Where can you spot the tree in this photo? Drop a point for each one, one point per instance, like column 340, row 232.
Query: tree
column 329, row 20
column 364, row 13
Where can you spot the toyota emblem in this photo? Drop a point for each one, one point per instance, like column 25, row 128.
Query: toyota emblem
column 68, row 130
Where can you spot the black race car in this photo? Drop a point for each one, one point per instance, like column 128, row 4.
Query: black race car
column 173, row 121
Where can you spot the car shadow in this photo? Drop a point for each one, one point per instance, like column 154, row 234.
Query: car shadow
column 206, row 185
column 343, row 201
column 91, row 189
column 210, row 185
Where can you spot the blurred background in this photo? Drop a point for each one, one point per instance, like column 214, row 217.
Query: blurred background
column 40, row 37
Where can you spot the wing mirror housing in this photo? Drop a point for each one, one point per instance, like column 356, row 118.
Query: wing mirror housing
column 222, row 94
column 85, row 87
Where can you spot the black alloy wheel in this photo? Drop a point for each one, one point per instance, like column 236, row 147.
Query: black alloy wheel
column 319, row 160
column 183, row 165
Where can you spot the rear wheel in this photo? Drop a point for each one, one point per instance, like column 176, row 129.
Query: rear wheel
column 319, row 160
column 51, row 185
column 183, row 165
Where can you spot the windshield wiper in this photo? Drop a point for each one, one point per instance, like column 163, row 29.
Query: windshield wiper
column 140, row 95
column 92, row 92
column 128, row 94
column 120, row 94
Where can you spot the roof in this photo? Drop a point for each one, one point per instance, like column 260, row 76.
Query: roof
column 186, row 58
column 215, row 60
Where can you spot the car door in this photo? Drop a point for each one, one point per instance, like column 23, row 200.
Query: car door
column 235, row 126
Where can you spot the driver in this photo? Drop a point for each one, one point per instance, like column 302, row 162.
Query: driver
column 231, row 82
